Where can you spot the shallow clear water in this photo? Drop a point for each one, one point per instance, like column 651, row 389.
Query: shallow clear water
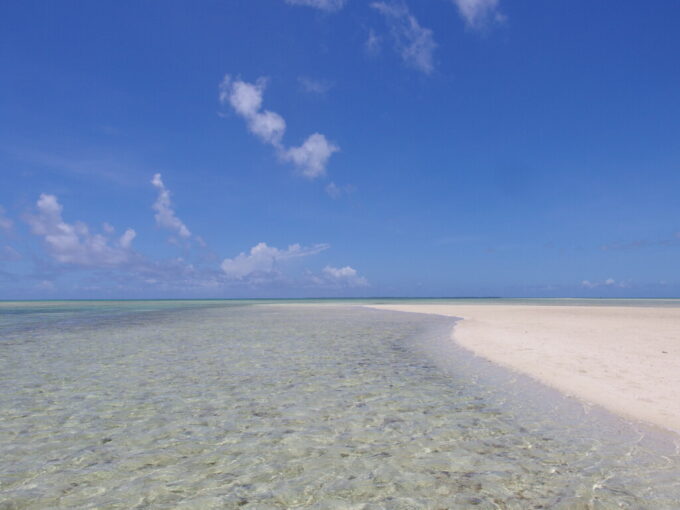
column 233, row 405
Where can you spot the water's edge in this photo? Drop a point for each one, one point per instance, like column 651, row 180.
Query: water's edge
column 271, row 407
column 663, row 436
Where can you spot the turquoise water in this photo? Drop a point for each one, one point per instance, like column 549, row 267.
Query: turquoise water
column 213, row 404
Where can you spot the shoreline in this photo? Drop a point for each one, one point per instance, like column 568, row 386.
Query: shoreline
column 624, row 359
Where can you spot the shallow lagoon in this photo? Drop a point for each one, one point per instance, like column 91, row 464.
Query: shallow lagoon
column 235, row 405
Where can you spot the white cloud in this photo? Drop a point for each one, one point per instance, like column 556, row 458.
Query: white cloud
column 46, row 285
column 609, row 282
column 74, row 243
column 265, row 265
column 75, row 247
column 324, row 5
column 344, row 276
column 373, row 44
column 335, row 191
column 642, row 243
column 7, row 254
column 312, row 156
column 264, row 260
column 414, row 43
column 245, row 98
column 87, row 164
column 312, row 86
column 126, row 239
column 165, row 214
column 478, row 13
column 5, row 222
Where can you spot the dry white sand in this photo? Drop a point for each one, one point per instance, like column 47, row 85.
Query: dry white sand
column 626, row 359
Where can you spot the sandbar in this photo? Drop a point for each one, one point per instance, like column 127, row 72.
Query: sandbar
column 623, row 358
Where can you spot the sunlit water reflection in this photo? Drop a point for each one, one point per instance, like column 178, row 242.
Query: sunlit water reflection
column 266, row 406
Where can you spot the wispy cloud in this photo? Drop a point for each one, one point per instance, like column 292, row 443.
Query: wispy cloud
column 165, row 214
column 335, row 191
column 414, row 43
column 467, row 239
column 642, row 243
column 373, row 44
column 74, row 243
column 478, row 14
column 89, row 163
column 5, row 222
column 324, row 5
column 9, row 254
column 174, row 274
column 263, row 262
column 312, row 86
column 310, row 158
column 609, row 282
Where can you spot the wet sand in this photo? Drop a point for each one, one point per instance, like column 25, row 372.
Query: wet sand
column 626, row 359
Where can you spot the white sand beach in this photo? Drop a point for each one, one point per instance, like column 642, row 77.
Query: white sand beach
column 626, row 359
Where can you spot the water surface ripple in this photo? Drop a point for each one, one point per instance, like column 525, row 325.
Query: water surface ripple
column 272, row 407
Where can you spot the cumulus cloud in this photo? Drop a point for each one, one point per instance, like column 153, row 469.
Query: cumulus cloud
column 264, row 260
column 74, row 243
column 264, row 265
column 479, row 13
column 111, row 264
column 324, row 5
column 165, row 214
column 343, row 276
column 310, row 158
column 5, row 222
column 414, row 43
column 246, row 100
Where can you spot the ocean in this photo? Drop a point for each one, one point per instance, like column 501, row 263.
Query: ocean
column 278, row 405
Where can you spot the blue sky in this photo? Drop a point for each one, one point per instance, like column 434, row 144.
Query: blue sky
column 292, row 148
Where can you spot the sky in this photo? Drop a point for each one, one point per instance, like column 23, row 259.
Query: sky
column 339, row 148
